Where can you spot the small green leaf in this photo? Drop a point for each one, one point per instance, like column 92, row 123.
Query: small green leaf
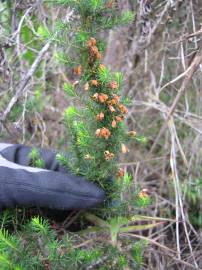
column 70, row 113
column 43, row 31
column 7, row 240
column 127, row 101
column 143, row 201
column 40, row 163
column 127, row 180
column 118, row 76
column 35, row 160
column 82, row 37
column 40, row 226
column 137, row 252
column 104, row 74
column 62, row 58
column 127, row 17
column 69, row 89
column 38, row 93
column 141, row 139
column 4, row 261
column 63, row 160
column 34, row 154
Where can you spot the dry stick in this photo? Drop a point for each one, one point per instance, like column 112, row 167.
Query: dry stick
column 178, row 195
column 17, row 34
column 188, row 76
column 25, row 81
column 188, row 36
column 168, row 250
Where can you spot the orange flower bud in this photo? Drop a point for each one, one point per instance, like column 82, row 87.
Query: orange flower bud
column 109, row 102
column 98, row 56
column 86, row 87
column 114, row 100
column 121, row 172
column 94, row 50
column 113, row 85
column 122, row 108
column 115, row 97
column 124, row 148
column 78, row 70
column 91, row 42
column 103, row 133
column 119, row 118
column 143, row 194
column 100, row 116
column 102, row 97
column 94, row 82
column 101, row 67
column 113, row 123
column 111, row 108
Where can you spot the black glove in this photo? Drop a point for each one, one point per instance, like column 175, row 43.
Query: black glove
column 53, row 187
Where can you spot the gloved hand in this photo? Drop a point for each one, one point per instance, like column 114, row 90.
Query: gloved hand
column 53, row 187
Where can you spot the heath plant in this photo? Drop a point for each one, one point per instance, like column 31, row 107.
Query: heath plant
column 96, row 126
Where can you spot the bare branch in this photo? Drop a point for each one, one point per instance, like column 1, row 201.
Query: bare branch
column 25, row 81
column 192, row 69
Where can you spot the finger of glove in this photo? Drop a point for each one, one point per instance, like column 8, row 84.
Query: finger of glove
column 19, row 154
column 28, row 186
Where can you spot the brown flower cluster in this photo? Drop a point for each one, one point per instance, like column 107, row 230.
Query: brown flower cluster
column 108, row 155
column 122, row 108
column 103, row 133
column 102, row 98
column 114, row 100
column 111, row 101
column 93, row 50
